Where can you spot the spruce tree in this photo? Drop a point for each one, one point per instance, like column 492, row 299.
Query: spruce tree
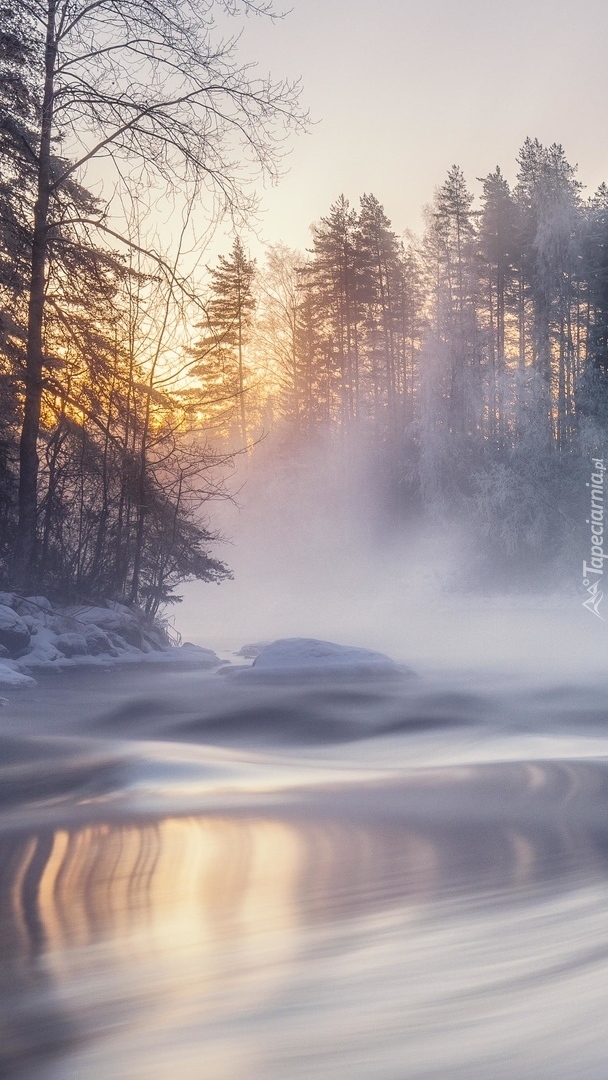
column 497, row 243
column 221, row 352
column 379, row 261
column 332, row 275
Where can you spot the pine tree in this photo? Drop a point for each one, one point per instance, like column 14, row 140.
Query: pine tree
column 333, row 276
column 221, row 367
column 451, row 249
column 378, row 255
column 497, row 242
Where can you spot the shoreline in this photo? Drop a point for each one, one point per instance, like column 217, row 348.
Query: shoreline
column 38, row 637
column 177, row 658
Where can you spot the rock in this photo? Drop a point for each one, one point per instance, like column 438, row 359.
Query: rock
column 191, row 655
column 116, row 620
column 122, row 645
column 14, row 680
column 14, row 634
column 114, row 605
column 42, row 650
column 7, row 599
column 3, row 652
column 198, row 653
column 250, row 652
column 310, row 654
column 156, row 639
column 97, row 642
column 35, row 606
column 72, row 644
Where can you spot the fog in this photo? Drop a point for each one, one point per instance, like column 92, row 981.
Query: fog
column 339, row 872
column 313, row 555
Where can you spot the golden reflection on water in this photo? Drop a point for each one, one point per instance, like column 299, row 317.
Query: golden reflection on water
column 194, row 883
column 212, row 908
column 261, row 942
column 180, row 889
column 202, row 879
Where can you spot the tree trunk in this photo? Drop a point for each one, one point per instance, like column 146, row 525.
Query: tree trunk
column 28, row 449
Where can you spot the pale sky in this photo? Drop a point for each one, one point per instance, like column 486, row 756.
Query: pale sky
column 402, row 90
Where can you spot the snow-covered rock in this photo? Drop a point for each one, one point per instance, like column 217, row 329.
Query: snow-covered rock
column 72, row 644
column 310, row 654
column 97, row 642
column 197, row 652
column 34, row 606
column 14, row 633
column 11, row 679
column 121, row 643
column 42, row 649
column 155, row 639
column 249, row 652
column 115, row 620
column 42, row 636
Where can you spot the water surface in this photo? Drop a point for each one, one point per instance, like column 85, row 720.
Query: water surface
column 205, row 876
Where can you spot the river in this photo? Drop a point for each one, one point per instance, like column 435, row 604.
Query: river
column 385, row 878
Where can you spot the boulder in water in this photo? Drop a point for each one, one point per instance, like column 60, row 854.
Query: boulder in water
column 311, row 654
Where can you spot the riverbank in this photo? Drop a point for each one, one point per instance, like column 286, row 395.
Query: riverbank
column 38, row 637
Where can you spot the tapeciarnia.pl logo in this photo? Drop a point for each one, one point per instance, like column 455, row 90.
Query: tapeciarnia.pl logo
column 594, row 570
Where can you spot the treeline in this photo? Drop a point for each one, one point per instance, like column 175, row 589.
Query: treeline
column 103, row 473
column 472, row 362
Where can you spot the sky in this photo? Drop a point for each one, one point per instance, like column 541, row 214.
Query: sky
column 401, row 90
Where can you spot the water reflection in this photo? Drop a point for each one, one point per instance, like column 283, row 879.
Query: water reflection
column 263, row 947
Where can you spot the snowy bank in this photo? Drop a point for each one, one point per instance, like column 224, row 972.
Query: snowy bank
column 36, row 636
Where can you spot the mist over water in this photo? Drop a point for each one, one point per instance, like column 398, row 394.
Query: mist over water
column 260, row 873
column 316, row 552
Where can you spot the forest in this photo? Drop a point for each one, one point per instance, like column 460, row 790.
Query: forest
column 469, row 364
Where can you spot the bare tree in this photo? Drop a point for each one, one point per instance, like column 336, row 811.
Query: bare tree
column 142, row 86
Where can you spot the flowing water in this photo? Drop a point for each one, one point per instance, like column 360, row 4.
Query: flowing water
column 229, row 878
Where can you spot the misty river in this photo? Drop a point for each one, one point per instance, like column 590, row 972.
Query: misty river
column 230, row 877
